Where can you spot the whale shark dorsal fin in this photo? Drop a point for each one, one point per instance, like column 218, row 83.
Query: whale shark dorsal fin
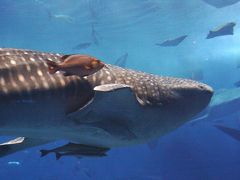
column 17, row 140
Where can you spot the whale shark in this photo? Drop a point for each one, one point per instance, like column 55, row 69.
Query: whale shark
column 113, row 107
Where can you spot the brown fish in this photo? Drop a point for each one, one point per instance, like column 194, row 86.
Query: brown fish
column 80, row 65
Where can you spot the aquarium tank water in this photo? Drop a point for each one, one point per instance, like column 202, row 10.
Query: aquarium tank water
column 119, row 90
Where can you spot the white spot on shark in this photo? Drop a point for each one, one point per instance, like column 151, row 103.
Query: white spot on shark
column 32, row 59
column 28, row 67
column 39, row 72
column 5, row 90
column 94, row 78
column 35, row 81
column 21, row 78
column 13, row 62
column 63, row 83
column 2, row 81
column 109, row 78
column 45, row 84
column 23, row 59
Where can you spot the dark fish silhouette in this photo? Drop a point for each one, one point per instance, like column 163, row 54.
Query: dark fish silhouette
column 234, row 133
column 221, row 3
column 224, row 30
column 121, row 61
column 78, row 150
column 172, row 42
column 82, row 45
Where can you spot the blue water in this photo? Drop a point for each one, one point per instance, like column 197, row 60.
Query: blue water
column 116, row 27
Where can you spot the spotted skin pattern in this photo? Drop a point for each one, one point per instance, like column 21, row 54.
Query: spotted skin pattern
column 24, row 73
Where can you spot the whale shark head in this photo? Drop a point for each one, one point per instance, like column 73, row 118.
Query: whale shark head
column 189, row 97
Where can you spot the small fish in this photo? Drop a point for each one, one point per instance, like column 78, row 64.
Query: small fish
column 78, row 154
column 221, row 3
column 82, row 45
column 121, row 61
column 80, row 65
column 172, row 42
column 77, row 150
column 224, row 30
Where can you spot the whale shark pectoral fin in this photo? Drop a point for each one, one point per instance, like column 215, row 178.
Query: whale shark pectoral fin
column 109, row 98
column 77, row 101
column 19, row 144
column 17, row 140
column 111, row 87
